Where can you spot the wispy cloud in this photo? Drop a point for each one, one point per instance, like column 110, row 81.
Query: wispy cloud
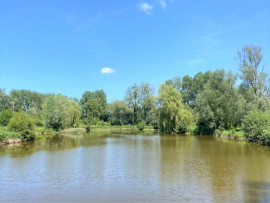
column 107, row 70
column 146, row 8
column 163, row 4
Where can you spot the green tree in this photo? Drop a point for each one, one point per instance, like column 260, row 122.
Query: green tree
column 256, row 126
column 5, row 116
column 26, row 99
column 119, row 113
column 174, row 117
column 175, row 82
column 93, row 106
column 216, row 105
column 132, row 99
column 191, row 87
column 75, row 112
column 60, row 112
column 141, row 125
column 22, row 123
column 141, row 99
column 255, row 82
column 5, row 102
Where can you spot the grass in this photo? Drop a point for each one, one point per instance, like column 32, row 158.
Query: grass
column 94, row 128
column 236, row 134
column 120, row 127
column 44, row 129
column 5, row 134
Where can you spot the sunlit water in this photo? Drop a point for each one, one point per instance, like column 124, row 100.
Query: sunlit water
column 134, row 168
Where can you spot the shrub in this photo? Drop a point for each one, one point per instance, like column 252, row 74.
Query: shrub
column 103, row 123
column 256, row 127
column 88, row 128
column 141, row 125
column 38, row 122
column 5, row 116
column 22, row 123
column 5, row 134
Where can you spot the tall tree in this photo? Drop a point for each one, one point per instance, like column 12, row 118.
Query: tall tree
column 191, row 87
column 174, row 117
column 119, row 113
column 5, row 102
column 216, row 105
column 132, row 99
column 93, row 105
column 60, row 112
column 175, row 82
column 255, row 82
column 141, row 99
column 26, row 99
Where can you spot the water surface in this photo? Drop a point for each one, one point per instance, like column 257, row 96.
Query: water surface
column 129, row 167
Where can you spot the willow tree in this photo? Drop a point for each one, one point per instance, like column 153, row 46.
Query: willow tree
column 174, row 117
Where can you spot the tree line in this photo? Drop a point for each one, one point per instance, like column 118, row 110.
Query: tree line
column 204, row 104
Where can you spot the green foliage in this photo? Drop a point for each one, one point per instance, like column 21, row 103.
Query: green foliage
column 75, row 112
column 26, row 99
column 88, row 128
column 141, row 125
column 255, row 82
column 174, row 117
column 6, row 134
column 191, row 129
column 60, row 112
column 38, row 122
column 175, row 82
column 22, row 123
column 103, row 123
column 119, row 113
column 216, row 105
column 5, row 101
column 5, row 116
column 256, row 127
column 141, row 99
column 93, row 106
column 191, row 87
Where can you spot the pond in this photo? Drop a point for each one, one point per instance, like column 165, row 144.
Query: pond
column 134, row 167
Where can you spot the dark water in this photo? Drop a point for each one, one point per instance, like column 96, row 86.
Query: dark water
column 128, row 167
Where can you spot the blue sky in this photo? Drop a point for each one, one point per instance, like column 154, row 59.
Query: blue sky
column 59, row 46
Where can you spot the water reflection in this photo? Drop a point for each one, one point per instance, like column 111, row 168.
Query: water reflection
column 125, row 167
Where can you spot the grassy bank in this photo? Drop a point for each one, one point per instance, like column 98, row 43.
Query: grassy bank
column 93, row 128
column 233, row 134
column 5, row 135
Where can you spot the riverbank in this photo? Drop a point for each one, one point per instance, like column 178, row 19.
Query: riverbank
column 8, row 137
column 231, row 135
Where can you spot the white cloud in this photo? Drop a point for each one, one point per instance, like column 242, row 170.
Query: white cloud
column 107, row 70
column 163, row 4
column 146, row 8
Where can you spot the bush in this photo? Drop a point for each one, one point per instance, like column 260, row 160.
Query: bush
column 22, row 123
column 38, row 122
column 5, row 116
column 141, row 125
column 218, row 132
column 88, row 128
column 256, row 127
column 5, row 134
column 102, row 123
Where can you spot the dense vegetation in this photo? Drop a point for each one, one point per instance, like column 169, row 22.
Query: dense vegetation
column 206, row 103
